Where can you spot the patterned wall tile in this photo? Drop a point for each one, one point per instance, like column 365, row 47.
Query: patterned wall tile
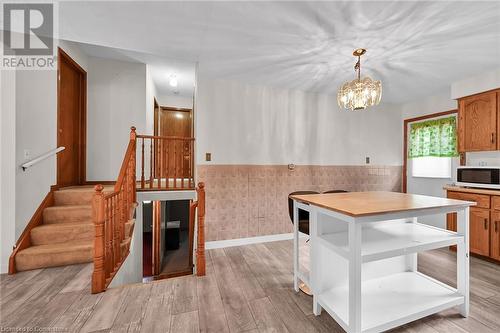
column 251, row 200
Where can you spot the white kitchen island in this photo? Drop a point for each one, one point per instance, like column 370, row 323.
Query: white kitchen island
column 363, row 260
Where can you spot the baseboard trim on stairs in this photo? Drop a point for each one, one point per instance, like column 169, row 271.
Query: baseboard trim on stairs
column 247, row 241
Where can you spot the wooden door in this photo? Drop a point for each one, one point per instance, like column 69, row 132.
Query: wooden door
column 495, row 235
column 477, row 122
column 479, row 232
column 178, row 123
column 71, row 121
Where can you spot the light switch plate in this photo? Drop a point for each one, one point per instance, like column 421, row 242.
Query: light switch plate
column 27, row 154
column 208, row 157
column 367, row 160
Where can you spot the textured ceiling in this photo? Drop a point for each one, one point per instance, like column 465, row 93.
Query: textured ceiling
column 161, row 68
column 415, row 48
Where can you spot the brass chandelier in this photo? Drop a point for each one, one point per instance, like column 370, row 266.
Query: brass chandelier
column 359, row 93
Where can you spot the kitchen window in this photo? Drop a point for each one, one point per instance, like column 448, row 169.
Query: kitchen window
column 432, row 145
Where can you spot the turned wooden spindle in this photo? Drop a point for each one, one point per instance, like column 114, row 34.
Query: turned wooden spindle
column 98, row 276
column 151, row 162
column 142, row 163
column 200, row 248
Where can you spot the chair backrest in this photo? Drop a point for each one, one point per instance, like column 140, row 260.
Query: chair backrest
column 303, row 215
column 335, row 191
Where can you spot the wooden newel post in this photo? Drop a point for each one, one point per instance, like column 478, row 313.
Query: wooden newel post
column 200, row 248
column 133, row 137
column 98, row 277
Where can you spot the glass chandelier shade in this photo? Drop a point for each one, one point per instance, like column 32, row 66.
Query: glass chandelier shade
column 360, row 93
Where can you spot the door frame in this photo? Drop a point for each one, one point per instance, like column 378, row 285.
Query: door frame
column 156, row 241
column 406, row 122
column 82, row 138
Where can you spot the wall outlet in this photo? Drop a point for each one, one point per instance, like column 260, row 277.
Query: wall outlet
column 208, row 157
column 367, row 160
column 27, row 154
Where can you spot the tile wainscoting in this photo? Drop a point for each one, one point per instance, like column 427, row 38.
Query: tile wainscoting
column 251, row 200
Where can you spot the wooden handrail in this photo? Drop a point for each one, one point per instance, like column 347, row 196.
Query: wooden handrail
column 142, row 136
column 111, row 212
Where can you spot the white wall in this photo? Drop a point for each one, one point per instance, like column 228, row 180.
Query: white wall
column 7, row 166
column 477, row 84
column 248, row 124
column 151, row 94
column 176, row 101
column 116, row 101
column 32, row 97
column 36, row 121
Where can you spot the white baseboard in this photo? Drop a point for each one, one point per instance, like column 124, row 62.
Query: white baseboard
column 246, row 241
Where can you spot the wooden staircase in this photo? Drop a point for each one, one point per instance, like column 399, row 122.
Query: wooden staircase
column 83, row 224
column 60, row 233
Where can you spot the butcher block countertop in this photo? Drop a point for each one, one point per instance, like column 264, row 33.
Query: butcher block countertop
column 359, row 204
column 471, row 190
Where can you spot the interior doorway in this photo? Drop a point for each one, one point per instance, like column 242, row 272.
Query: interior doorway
column 167, row 239
column 174, row 122
column 71, row 120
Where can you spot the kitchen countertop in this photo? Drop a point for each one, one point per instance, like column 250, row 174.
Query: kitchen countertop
column 357, row 204
column 471, row 190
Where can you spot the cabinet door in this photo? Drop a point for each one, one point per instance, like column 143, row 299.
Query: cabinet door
column 477, row 122
column 495, row 235
column 479, row 232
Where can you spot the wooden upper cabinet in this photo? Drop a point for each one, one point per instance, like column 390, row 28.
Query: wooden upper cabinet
column 477, row 122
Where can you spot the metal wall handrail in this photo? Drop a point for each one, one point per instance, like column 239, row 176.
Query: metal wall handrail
column 41, row 157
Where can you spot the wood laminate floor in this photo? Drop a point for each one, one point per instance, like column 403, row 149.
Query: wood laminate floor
column 246, row 289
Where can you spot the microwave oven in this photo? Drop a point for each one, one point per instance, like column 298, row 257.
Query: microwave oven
column 479, row 176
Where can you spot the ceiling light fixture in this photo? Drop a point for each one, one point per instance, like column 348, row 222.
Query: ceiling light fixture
column 173, row 80
column 359, row 93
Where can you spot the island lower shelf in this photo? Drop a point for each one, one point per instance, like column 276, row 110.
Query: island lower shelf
column 388, row 240
column 391, row 300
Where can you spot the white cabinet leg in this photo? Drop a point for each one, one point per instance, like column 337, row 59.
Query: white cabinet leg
column 316, row 307
column 295, row 246
column 354, row 277
column 411, row 260
column 315, row 274
column 463, row 260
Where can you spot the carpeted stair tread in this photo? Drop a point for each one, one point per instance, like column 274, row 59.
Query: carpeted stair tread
column 58, row 254
column 62, row 232
column 73, row 197
column 68, row 213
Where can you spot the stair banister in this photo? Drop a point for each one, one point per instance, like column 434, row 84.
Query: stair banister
column 111, row 212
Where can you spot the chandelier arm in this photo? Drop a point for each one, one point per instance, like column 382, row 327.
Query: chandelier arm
column 357, row 67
